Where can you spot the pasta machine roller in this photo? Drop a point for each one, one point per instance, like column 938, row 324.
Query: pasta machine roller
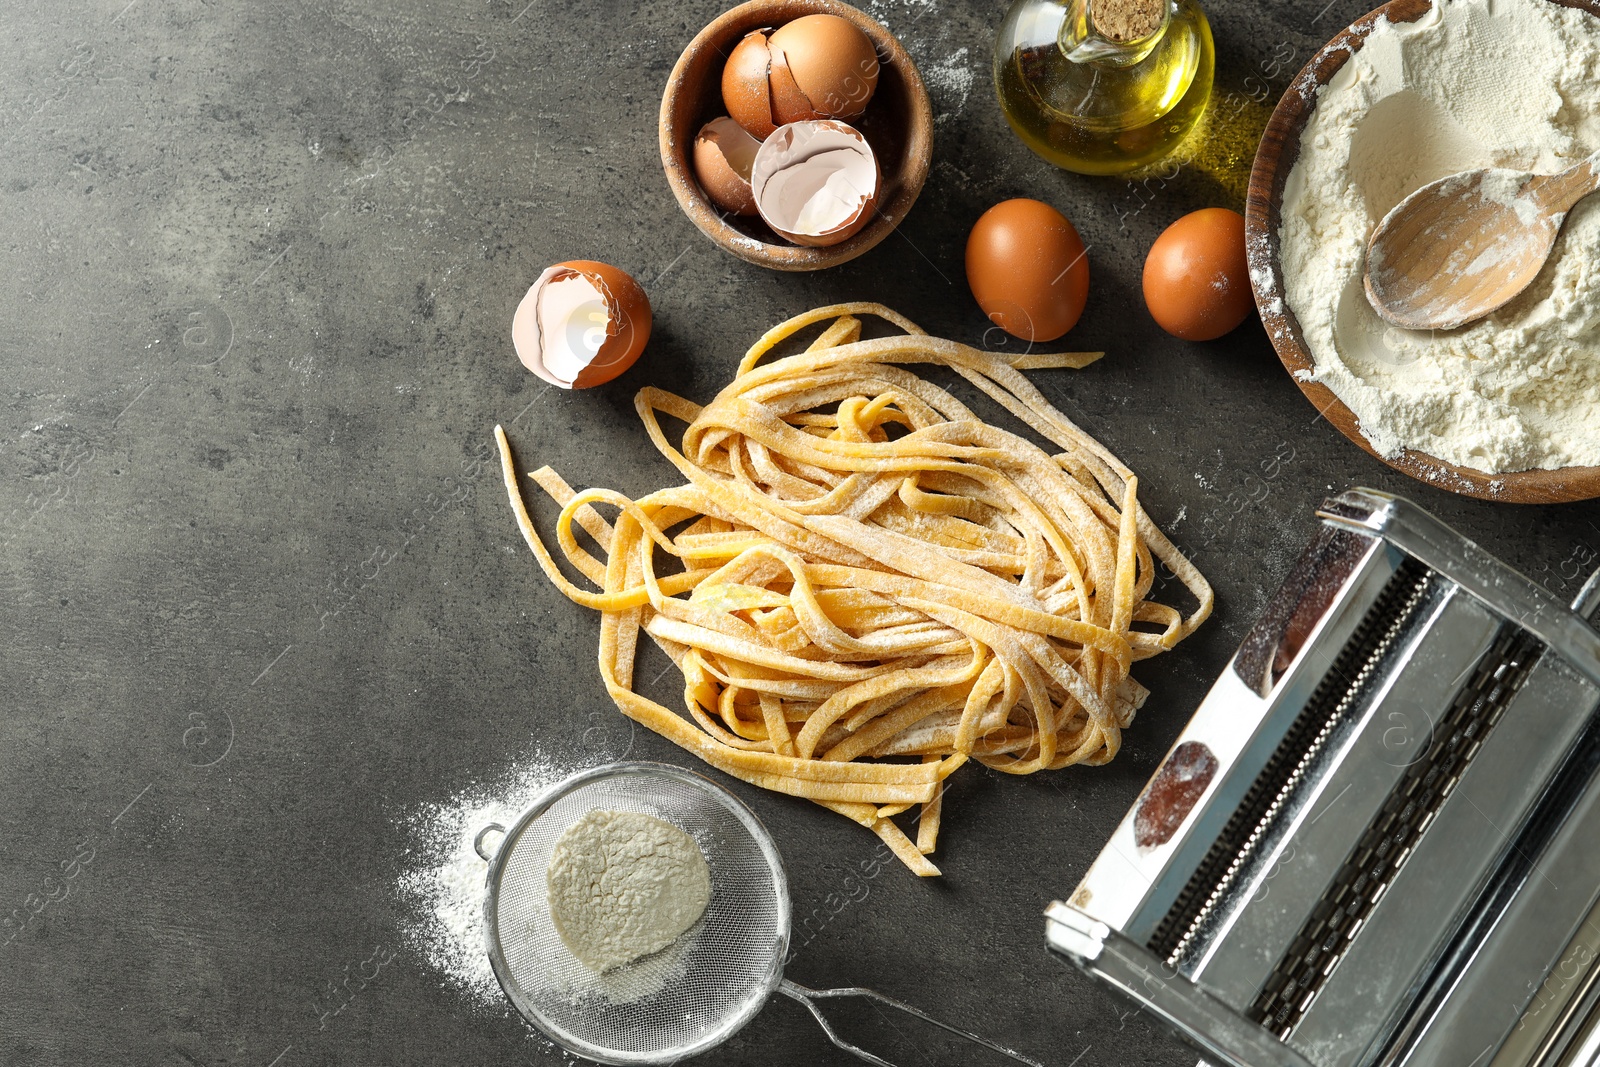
column 1377, row 842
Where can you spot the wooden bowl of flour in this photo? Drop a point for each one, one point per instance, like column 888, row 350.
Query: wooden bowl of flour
column 1280, row 147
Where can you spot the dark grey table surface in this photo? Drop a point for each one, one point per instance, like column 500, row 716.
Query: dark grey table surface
column 265, row 601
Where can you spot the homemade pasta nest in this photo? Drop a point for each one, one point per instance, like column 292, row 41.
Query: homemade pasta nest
column 877, row 586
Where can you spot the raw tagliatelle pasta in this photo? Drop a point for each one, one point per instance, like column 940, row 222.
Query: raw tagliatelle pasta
column 865, row 585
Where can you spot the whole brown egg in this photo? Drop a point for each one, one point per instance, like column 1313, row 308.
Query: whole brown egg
column 1196, row 276
column 1028, row 269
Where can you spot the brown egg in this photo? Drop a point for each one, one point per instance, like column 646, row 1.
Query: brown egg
column 1028, row 269
column 723, row 154
column 1196, row 277
column 816, row 67
column 745, row 89
column 832, row 62
column 581, row 324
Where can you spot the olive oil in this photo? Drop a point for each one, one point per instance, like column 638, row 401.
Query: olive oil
column 1090, row 103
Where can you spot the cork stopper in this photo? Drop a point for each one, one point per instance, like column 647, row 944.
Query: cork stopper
column 1127, row 20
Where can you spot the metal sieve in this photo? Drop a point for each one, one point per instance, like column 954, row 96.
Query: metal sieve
column 687, row 998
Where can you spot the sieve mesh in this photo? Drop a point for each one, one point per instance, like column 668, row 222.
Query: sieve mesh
column 682, row 1000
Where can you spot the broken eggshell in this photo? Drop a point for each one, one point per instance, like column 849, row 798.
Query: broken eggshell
column 815, row 67
column 831, row 63
column 745, row 91
column 815, row 183
column 724, row 152
column 789, row 104
column 581, row 324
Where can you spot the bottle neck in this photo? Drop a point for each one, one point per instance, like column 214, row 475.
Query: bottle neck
column 1116, row 33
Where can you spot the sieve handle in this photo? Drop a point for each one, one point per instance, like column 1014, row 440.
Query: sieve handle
column 809, row 998
column 477, row 842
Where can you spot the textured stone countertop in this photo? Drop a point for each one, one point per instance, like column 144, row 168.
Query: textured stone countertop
column 267, row 603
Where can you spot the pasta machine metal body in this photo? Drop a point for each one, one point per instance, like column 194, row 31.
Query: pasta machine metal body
column 1377, row 842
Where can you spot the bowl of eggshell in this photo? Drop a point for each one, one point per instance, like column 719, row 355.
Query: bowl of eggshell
column 796, row 134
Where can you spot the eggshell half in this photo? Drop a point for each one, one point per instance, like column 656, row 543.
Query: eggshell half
column 581, row 324
column 816, row 183
column 724, row 151
column 745, row 89
column 832, row 62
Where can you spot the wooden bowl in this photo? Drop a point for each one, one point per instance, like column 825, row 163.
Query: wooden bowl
column 898, row 123
column 1280, row 146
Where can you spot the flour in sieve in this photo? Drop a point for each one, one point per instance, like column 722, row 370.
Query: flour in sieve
column 624, row 885
column 445, row 890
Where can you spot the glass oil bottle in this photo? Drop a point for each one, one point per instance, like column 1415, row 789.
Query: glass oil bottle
column 1107, row 94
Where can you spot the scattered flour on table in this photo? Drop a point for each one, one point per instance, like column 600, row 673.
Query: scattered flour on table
column 946, row 72
column 445, row 887
column 1473, row 83
column 949, row 82
column 895, row 10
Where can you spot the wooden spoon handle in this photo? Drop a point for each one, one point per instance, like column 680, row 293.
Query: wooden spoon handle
column 1557, row 193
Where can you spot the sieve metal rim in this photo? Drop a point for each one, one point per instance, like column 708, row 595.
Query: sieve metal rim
column 541, row 804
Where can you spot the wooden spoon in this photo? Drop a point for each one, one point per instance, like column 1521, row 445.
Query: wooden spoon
column 1464, row 246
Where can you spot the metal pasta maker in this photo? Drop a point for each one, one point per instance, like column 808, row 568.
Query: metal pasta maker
column 1378, row 840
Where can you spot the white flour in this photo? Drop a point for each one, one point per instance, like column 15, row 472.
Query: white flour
column 950, row 81
column 445, row 888
column 624, row 885
column 1474, row 83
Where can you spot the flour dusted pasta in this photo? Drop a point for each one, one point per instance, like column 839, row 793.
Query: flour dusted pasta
column 877, row 585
